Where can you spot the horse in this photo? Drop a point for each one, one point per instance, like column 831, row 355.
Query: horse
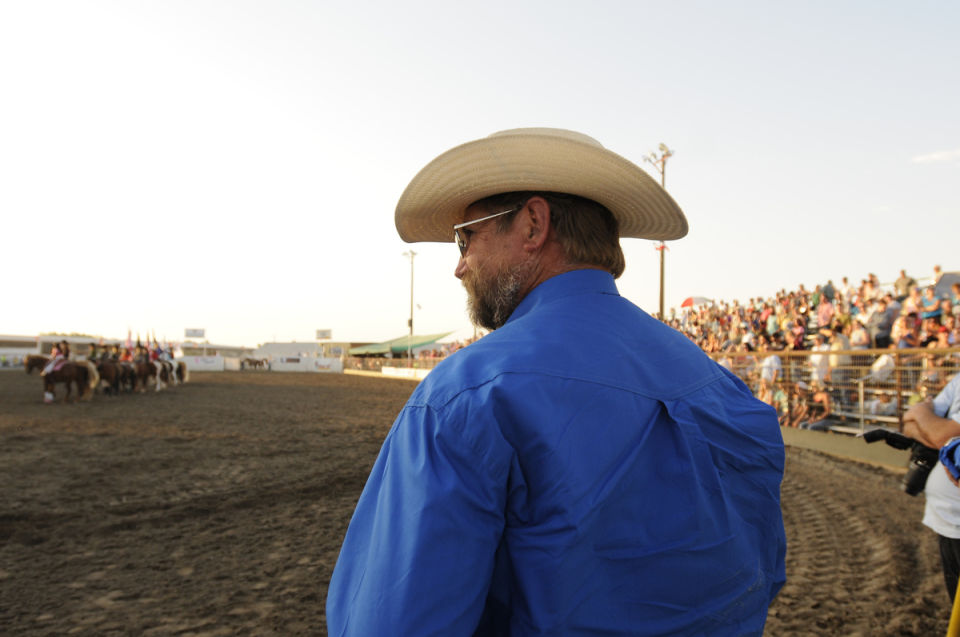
column 110, row 374
column 255, row 363
column 165, row 374
column 171, row 372
column 82, row 373
column 182, row 372
column 128, row 376
column 35, row 361
column 145, row 370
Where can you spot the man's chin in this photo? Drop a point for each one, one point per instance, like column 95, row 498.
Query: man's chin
column 491, row 302
column 480, row 316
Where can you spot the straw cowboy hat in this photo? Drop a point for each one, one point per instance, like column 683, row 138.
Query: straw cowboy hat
column 543, row 159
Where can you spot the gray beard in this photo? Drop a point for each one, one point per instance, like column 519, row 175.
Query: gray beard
column 490, row 302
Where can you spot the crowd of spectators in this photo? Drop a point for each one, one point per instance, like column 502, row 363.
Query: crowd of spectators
column 442, row 350
column 830, row 323
column 837, row 320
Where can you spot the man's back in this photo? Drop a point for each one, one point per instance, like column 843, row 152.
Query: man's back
column 612, row 479
column 632, row 445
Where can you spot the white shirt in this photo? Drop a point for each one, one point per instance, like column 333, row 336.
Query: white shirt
column 770, row 365
column 819, row 363
column 942, row 511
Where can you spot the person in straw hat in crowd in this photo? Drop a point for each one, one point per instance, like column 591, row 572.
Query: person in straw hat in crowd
column 583, row 469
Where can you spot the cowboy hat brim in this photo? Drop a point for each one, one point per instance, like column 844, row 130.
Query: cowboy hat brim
column 538, row 159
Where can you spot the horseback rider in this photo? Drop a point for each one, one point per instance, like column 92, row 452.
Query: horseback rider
column 59, row 352
column 140, row 353
column 55, row 355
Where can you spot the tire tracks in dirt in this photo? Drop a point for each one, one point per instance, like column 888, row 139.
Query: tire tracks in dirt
column 857, row 555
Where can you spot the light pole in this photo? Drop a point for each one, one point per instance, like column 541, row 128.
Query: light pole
column 410, row 254
column 660, row 163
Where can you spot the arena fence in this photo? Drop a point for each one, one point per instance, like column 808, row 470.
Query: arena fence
column 844, row 390
column 377, row 363
column 847, row 391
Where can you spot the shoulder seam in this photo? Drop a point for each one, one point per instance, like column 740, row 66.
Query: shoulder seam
column 451, row 396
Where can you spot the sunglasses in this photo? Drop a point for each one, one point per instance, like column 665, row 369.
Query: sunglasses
column 463, row 238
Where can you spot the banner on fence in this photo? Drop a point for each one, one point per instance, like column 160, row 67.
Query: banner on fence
column 306, row 364
column 205, row 363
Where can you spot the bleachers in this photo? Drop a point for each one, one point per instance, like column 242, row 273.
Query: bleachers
column 863, row 392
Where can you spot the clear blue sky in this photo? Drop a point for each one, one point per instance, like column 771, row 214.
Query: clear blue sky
column 234, row 166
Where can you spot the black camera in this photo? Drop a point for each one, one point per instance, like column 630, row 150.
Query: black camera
column 922, row 458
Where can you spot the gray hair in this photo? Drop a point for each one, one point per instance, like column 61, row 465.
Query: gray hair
column 587, row 231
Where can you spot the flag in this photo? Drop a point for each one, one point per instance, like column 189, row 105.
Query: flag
column 129, row 343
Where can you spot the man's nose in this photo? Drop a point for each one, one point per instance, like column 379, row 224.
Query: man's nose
column 461, row 267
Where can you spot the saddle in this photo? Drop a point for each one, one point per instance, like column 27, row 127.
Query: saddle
column 59, row 365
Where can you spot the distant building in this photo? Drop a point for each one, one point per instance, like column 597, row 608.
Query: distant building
column 277, row 351
column 13, row 349
column 189, row 348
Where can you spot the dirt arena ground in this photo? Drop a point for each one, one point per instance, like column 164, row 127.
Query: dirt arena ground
column 218, row 508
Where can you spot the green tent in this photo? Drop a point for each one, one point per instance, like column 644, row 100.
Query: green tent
column 397, row 345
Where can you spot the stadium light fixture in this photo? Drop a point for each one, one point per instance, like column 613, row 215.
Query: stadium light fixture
column 660, row 163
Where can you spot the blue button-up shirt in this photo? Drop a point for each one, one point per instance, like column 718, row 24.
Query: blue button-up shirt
column 582, row 470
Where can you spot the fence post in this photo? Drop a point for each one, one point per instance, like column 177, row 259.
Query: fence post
column 861, row 393
column 896, row 361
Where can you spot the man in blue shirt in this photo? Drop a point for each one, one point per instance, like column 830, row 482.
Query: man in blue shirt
column 583, row 469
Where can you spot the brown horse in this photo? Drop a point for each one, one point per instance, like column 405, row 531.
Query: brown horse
column 182, row 372
column 35, row 362
column 164, row 374
column 255, row 363
column 83, row 374
column 145, row 370
column 110, row 374
column 128, row 376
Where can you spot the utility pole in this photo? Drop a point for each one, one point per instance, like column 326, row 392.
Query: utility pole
column 660, row 163
column 410, row 254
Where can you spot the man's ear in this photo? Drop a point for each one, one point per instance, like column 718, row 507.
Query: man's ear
column 536, row 220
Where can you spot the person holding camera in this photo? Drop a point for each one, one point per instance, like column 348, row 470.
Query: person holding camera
column 933, row 423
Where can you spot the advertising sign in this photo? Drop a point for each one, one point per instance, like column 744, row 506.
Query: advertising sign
column 193, row 333
column 322, row 334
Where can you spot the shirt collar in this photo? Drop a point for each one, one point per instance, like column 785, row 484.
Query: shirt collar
column 566, row 284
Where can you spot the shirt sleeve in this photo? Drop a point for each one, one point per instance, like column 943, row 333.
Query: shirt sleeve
column 946, row 398
column 419, row 552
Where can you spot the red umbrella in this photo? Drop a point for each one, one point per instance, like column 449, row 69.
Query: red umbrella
column 690, row 301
